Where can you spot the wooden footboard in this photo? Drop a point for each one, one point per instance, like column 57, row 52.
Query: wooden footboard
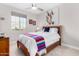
column 26, row 52
column 51, row 47
column 23, row 48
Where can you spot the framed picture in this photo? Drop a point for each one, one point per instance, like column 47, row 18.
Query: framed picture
column 34, row 22
column 31, row 21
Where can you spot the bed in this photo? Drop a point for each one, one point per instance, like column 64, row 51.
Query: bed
column 28, row 46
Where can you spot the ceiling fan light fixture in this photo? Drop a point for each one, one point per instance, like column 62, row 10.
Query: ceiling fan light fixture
column 34, row 8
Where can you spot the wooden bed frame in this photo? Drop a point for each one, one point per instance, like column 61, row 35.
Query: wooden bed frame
column 49, row 48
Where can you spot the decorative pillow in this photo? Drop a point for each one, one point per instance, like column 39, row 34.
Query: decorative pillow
column 46, row 29
column 53, row 30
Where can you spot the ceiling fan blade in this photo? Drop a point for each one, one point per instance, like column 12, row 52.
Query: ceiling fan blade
column 40, row 9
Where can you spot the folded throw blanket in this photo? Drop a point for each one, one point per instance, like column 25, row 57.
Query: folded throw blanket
column 40, row 43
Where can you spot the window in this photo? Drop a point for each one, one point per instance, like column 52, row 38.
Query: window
column 18, row 22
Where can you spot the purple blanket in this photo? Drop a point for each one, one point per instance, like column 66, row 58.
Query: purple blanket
column 39, row 41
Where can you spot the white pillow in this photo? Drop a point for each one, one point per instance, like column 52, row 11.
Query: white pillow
column 53, row 30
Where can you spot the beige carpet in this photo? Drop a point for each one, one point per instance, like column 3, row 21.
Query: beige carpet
column 58, row 51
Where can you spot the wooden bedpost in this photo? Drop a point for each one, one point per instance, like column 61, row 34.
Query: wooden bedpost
column 18, row 44
column 23, row 48
column 60, row 33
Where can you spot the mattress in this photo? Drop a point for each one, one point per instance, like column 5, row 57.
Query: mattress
column 50, row 38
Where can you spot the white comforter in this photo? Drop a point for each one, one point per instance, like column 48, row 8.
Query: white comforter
column 30, row 43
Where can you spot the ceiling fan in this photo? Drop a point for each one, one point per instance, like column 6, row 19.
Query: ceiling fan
column 34, row 7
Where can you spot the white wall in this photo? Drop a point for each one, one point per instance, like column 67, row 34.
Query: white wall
column 69, row 18
column 5, row 25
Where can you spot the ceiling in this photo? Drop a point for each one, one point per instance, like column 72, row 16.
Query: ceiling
column 24, row 6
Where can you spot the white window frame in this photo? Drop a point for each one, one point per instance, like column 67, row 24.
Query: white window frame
column 20, row 24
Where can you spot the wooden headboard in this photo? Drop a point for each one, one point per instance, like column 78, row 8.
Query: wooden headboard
column 59, row 27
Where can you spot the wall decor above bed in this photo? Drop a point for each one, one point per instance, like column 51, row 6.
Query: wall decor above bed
column 49, row 17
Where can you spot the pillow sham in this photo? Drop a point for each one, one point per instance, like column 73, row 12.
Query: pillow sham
column 53, row 30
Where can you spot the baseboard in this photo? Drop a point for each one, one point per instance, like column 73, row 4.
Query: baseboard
column 70, row 46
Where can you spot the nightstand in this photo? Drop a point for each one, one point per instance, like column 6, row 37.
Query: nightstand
column 4, row 46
